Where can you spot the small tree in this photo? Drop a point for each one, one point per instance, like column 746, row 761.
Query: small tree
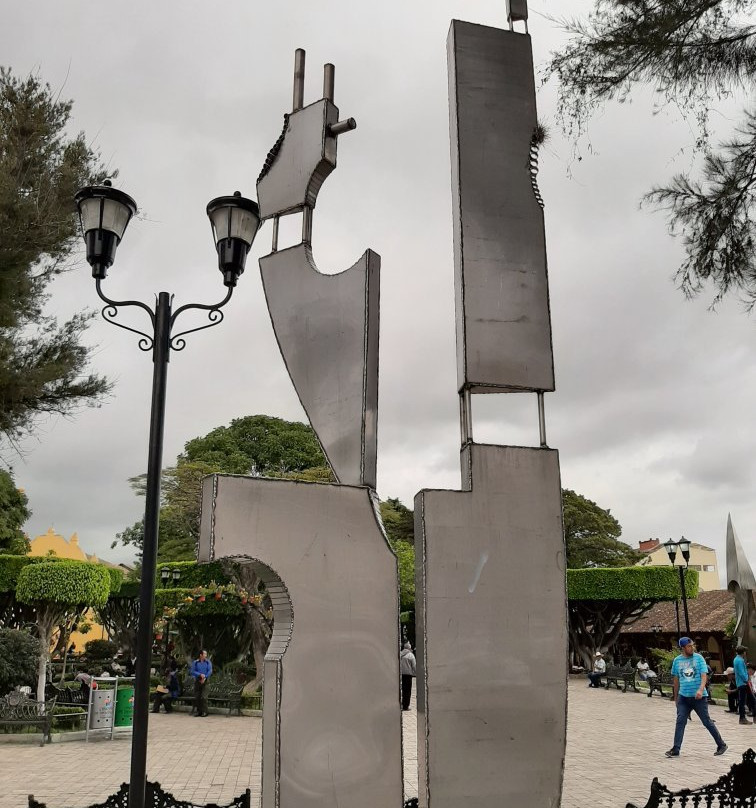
column 601, row 601
column 60, row 592
column 19, row 653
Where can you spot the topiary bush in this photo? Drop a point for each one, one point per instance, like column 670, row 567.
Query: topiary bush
column 100, row 650
column 19, row 655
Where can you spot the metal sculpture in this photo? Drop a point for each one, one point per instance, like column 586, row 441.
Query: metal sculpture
column 742, row 583
column 331, row 718
column 490, row 585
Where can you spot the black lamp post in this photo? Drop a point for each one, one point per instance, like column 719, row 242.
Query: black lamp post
column 165, row 576
column 684, row 546
column 105, row 213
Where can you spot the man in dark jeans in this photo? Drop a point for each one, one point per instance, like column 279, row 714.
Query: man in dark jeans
column 201, row 671
column 743, row 682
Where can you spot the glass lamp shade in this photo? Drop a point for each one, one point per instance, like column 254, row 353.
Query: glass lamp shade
column 684, row 546
column 671, row 548
column 104, row 213
column 164, row 574
column 235, row 221
column 176, row 574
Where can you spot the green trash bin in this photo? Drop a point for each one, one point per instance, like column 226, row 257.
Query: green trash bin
column 124, row 711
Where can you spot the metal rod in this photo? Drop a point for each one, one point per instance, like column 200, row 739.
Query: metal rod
column 677, row 615
column 299, row 78
column 542, row 419
column 342, row 126
column 329, row 77
column 160, row 357
column 684, row 600
column 274, row 246
column 307, row 225
column 465, row 415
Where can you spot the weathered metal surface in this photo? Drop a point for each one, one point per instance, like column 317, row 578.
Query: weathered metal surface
column 492, row 638
column 332, row 723
column 327, row 330
column 742, row 583
column 503, row 322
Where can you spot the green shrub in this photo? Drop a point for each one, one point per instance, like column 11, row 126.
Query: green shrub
column 76, row 583
column 100, row 650
column 192, row 574
column 19, row 659
column 240, row 672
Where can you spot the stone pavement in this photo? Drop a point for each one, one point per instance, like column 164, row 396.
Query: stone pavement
column 615, row 745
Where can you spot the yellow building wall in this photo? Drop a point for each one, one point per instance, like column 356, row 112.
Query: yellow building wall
column 703, row 559
column 52, row 543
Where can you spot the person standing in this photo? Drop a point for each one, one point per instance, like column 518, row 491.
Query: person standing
column 201, row 670
column 408, row 670
column 690, row 695
column 743, row 683
column 599, row 669
column 732, row 691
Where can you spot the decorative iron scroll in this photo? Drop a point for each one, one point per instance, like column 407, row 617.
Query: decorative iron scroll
column 736, row 789
column 156, row 798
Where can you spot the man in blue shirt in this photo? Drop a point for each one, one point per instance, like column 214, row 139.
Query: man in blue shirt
column 689, row 692
column 201, row 670
column 745, row 695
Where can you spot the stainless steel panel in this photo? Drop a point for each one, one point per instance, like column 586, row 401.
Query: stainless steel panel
column 327, row 330
column 742, row 583
column 492, row 637
column 503, row 323
column 334, row 677
column 305, row 157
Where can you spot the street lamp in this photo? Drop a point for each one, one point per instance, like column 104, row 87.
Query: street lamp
column 684, row 546
column 105, row 213
column 165, row 576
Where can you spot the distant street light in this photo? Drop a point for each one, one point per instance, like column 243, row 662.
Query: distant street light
column 105, row 213
column 684, row 546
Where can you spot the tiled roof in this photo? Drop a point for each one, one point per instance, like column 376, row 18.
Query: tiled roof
column 709, row 612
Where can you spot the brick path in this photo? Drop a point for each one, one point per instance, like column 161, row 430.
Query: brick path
column 615, row 745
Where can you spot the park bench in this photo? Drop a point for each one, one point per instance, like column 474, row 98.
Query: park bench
column 736, row 789
column 616, row 674
column 663, row 680
column 16, row 709
column 67, row 696
column 222, row 691
column 155, row 796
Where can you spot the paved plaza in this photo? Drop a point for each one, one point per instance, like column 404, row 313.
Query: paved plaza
column 615, row 745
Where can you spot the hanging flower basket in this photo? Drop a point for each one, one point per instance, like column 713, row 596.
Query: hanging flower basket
column 201, row 598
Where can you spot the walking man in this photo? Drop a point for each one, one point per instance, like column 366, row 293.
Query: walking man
column 201, row 670
column 689, row 693
column 407, row 668
column 742, row 682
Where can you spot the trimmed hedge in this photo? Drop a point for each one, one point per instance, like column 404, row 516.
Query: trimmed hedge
column 229, row 604
column 192, row 574
column 11, row 566
column 76, row 583
column 629, row 583
column 116, row 579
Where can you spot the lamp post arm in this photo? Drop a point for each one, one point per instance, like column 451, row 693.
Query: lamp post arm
column 110, row 312
column 214, row 314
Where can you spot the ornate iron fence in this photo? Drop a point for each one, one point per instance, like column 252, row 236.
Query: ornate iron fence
column 156, row 798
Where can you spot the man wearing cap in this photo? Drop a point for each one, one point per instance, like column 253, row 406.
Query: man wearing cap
column 599, row 669
column 689, row 693
column 745, row 696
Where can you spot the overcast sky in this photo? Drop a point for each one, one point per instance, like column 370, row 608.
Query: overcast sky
column 655, row 394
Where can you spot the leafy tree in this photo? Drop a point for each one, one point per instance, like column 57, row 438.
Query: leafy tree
column 692, row 53
column 14, row 511
column 119, row 616
column 398, row 520
column 259, row 445
column 19, row 655
column 591, row 535
column 60, row 593
column 42, row 364
column 601, row 601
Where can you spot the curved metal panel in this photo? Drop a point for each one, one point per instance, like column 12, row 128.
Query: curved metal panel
column 332, row 711
column 742, row 583
column 301, row 160
column 492, row 633
column 327, row 330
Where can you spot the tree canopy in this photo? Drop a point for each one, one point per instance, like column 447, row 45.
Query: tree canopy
column 14, row 511
column 43, row 365
column 692, row 53
column 591, row 535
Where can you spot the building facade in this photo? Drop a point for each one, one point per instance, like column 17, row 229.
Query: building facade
column 702, row 558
